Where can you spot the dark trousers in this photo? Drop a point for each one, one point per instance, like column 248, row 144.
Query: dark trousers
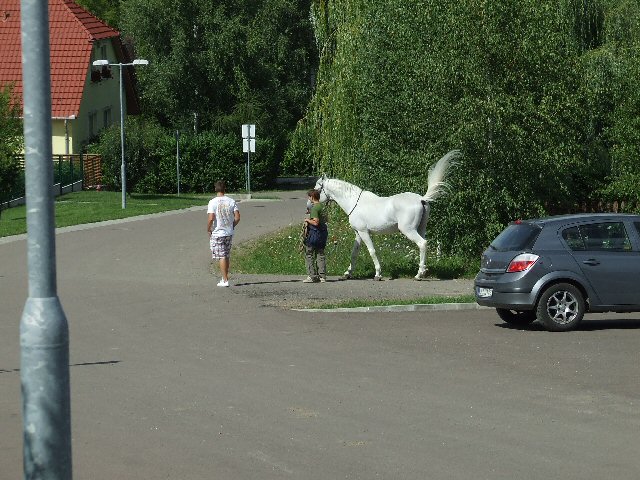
column 315, row 261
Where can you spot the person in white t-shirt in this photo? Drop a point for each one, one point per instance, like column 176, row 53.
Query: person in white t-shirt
column 223, row 216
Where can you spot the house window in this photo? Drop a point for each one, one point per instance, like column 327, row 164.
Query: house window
column 93, row 124
column 99, row 52
column 106, row 117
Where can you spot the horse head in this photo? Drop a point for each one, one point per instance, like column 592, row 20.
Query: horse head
column 320, row 187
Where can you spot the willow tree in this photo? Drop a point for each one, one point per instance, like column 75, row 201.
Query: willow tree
column 615, row 73
column 401, row 83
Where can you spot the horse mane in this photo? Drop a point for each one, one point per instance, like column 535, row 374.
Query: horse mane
column 345, row 187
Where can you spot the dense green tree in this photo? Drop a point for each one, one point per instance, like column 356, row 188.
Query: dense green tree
column 11, row 141
column 106, row 10
column 217, row 65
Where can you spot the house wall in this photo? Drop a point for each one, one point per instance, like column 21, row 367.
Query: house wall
column 100, row 105
column 59, row 133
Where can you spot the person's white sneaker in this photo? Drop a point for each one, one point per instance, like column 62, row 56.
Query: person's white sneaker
column 309, row 280
column 222, row 283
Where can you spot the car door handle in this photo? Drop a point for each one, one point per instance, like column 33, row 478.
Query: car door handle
column 592, row 261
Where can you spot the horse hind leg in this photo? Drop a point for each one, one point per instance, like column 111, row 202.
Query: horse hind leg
column 420, row 241
column 354, row 256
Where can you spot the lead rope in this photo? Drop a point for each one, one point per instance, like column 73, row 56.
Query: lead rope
column 354, row 207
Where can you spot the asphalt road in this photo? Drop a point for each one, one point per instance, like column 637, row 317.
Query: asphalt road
column 173, row 378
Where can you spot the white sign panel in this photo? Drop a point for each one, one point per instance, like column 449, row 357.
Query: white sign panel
column 249, row 145
column 248, row 138
column 248, row 131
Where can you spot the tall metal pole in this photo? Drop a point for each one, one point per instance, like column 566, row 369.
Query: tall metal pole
column 178, row 159
column 44, row 333
column 246, row 174
column 249, row 170
column 123, row 170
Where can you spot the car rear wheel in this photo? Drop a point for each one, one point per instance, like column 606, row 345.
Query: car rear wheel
column 561, row 307
column 518, row 318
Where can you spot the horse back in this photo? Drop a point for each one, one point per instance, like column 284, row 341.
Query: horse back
column 388, row 214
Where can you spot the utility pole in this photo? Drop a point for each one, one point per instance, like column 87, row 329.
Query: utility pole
column 44, row 332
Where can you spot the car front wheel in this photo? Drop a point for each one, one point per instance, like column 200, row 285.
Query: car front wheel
column 561, row 307
column 518, row 318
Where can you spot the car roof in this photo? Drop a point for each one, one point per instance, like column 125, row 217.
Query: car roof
column 580, row 217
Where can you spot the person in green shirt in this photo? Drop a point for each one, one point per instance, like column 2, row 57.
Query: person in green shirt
column 316, row 240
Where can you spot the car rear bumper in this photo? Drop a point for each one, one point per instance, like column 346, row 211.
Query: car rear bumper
column 511, row 301
column 511, row 291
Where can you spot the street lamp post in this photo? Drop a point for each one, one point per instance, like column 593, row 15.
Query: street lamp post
column 123, row 169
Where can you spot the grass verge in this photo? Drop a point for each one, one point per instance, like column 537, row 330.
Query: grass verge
column 92, row 206
column 279, row 253
column 433, row 300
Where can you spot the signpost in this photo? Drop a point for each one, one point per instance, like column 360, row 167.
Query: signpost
column 178, row 159
column 248, row 146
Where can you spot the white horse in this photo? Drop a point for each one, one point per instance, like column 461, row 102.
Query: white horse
column 405, row 212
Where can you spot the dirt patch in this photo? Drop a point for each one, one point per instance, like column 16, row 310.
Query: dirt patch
column 289, row 292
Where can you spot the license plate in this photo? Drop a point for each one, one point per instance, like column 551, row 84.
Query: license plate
column 484, row 292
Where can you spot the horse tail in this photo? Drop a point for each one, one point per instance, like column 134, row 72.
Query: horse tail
column 436, row 182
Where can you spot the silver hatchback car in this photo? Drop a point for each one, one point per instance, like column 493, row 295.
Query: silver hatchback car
column 556, row 269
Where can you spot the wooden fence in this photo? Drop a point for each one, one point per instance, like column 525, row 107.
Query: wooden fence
column 593, row 206
column 70, row 173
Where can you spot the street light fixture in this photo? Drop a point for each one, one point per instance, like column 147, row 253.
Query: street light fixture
column 123, row 172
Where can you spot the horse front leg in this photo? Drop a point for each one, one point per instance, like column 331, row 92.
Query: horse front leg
column 354, row 256
column 372, row 251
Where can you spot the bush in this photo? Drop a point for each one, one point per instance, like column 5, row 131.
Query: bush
column 10, row 145
column 150, row 153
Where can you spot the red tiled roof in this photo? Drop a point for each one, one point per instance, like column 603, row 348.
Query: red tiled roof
column 72, row 31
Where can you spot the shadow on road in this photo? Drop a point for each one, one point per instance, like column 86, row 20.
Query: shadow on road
column 584, row 326
column 86, row 364
column 244, row 284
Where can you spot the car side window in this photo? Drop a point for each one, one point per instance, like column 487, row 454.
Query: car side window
column 573, row 238
column 607, row 236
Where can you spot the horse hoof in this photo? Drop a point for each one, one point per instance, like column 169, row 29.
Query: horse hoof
column 377, row 278
column 421, row 275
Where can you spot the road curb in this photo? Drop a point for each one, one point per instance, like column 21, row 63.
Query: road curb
column 422, row 307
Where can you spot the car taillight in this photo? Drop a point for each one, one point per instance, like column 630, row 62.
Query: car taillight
column 522, row 262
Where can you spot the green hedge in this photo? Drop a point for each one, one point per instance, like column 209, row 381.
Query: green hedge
column 150, row 153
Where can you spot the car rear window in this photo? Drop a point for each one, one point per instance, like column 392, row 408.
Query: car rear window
column 517, row 236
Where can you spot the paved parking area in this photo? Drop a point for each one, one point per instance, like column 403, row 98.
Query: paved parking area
column 174, row 378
